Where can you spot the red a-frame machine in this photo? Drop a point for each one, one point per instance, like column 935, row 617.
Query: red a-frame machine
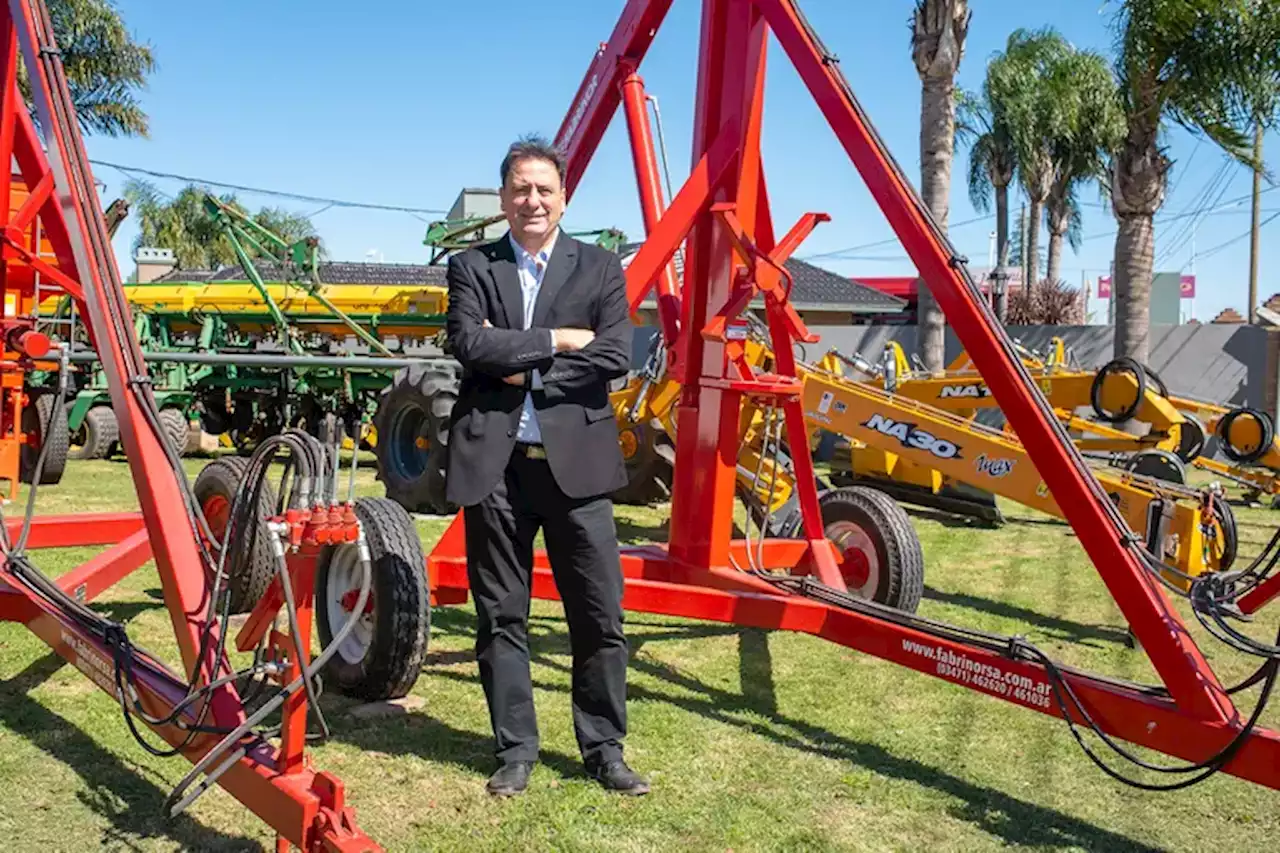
column 721, row 216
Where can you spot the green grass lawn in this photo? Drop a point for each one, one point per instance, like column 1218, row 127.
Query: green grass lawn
column 755, row 740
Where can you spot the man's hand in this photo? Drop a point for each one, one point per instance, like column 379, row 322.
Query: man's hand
column 570, row 340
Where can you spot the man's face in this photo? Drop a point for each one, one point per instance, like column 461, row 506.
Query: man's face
column 533, row 199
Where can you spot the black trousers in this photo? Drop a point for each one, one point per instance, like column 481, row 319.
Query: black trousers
column 582, row 547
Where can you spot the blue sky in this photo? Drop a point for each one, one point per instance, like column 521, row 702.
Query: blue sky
column 404, row 103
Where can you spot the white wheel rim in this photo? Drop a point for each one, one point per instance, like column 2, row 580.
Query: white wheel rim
column 848, row 536
column 344, row 579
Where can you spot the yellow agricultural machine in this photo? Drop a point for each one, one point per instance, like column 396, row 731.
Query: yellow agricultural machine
column 918, row 453
column 1171, row 431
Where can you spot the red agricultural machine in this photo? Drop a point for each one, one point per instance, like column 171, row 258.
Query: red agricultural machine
column 722, row 220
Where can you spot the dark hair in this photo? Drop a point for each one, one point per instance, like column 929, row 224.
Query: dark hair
column 532, row 147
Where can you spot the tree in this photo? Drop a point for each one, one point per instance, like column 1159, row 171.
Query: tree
column 993, row 163
column 1022, row 81
column 183, row 225
column 1264, row 107
column 1178, row 61
column 938, row 30
column 1030, row 267
column 104, row 65
column 1088, row 129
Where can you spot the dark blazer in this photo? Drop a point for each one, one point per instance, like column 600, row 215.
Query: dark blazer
column 583, row 287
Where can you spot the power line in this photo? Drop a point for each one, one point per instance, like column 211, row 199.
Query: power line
column 883, row 242
column 1188, row 231
column 1218, row 248
column 329, row 202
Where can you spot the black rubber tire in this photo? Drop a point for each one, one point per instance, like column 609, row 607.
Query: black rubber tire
column 1119, row 365
column 1160, row 464
column 176, row 428
column 1161, row 388
column 417, row 404
column 648, row 473
column 47, row 422
column 101, row 432
column 221, row 479
column 1191, row 438
column 1266, row 424
column 888, row 528
column 401, row 617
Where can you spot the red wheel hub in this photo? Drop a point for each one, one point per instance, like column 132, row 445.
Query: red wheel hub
column 349, row 601
column 217, row 511
column 852, row 553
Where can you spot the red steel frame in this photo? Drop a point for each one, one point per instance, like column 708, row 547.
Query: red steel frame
column 721, row 216
column 723, row 212
column 304, row 806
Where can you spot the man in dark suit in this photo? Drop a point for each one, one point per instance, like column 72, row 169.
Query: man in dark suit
column 540, row 324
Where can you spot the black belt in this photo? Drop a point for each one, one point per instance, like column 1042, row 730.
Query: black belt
column 530, row 451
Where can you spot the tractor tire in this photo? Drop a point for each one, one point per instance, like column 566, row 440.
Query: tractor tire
column 1246, row 453
column 215, row 490
column 1191, row 438
column 99, row 434
column 882, row 558
column 383, row 655
column 1119, row 365
column 1160, row 464
column 176, row 429
column 648, row 471
column 48, row 423
column 412, row 421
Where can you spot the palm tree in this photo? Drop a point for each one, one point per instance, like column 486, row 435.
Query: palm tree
column 938, row 30
column 993, row 164
column 1264, row 102
column 1090, row 127
column 1178, row 61
column 1021, row 81
column 105, row 67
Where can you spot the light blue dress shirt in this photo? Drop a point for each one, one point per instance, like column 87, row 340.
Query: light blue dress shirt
column 531, row 269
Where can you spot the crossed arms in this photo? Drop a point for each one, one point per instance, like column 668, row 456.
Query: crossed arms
column 562, row 360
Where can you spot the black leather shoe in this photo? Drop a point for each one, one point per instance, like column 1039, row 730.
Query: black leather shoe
column 510, row 779
column 617, row 776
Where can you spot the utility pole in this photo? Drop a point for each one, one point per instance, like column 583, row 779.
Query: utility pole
column 1256, row 227
column 1084, row 298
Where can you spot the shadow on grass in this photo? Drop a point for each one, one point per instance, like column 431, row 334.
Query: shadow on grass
column 755, row 670
column 948, row 519
column 1063, row 629
column 116, row 791
column 429, row 738
column 630, row 533
column 426, row 737
column 995, row 812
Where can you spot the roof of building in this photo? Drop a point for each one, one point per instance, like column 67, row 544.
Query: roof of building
column 331, row 272
column 813, row 288
column 1228, row 315
column 908, row 286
